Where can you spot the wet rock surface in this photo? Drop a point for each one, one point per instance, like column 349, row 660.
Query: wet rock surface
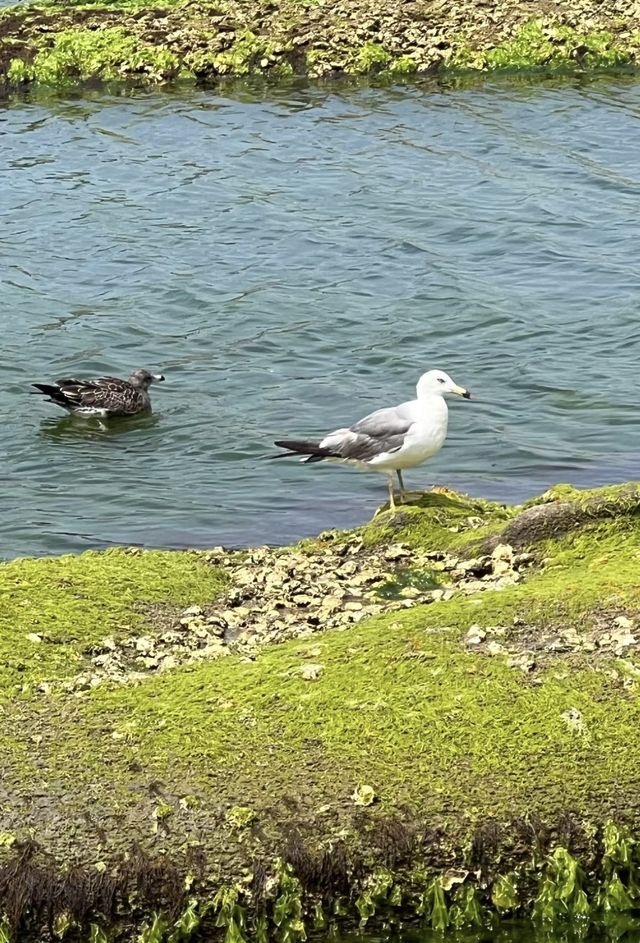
column 277, row 595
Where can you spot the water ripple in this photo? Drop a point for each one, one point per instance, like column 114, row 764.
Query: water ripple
column 293, row 258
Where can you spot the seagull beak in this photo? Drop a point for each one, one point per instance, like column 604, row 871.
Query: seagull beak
column 460, row 390
column 158, row 377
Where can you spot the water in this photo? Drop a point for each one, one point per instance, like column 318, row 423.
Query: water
column 507, row 932
column 293, row 258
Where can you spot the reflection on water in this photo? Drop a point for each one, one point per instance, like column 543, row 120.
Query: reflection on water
column 293, row 258
column 506, row 932
column 79, row 430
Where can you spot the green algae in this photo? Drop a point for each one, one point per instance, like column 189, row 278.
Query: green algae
column 53, row 43
column 403, row 65
column 563, row 899
column 369, row 59
column 438, row 521
column 248, row 54
column 107, row 54
column 542, row 44
column 561, row 895
column 445, row 737
column 53, row 609
column 466, row 728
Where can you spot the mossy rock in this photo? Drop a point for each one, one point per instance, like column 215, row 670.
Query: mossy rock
column 54, row 44
column 493, row 737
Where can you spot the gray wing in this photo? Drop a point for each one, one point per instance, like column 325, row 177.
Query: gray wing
column 381, row 431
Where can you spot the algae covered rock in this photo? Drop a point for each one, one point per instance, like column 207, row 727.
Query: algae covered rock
column 66, row 43
column 432, row 718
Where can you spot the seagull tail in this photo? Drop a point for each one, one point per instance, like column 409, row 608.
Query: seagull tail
column 311, row 450
column 47, row 388
column 55, row 394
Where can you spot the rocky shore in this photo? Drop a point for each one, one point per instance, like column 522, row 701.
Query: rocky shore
column 62, row 43
column 431, row 719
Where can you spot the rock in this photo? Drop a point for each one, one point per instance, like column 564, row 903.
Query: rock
column 500, row 567
column 311, row 672
column 450, row 878
column 359, row 616
column 623, row 622
column 621, row 637
column 302, row 599
column 364, row 795
column 523, row 559
column 191, row 611
column 525, row 662
column 475, row 565
column 495, row 648
column 348, row 569
column 475, row 635
column 148, row 662
column 397, row 552
column 507, row 580
column 144, row 644
column 167, row 662
column 574, row 720
column 331, row 603
column 503, row 552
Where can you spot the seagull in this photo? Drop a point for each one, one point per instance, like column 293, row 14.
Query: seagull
column 103, row 397
column 388, row 440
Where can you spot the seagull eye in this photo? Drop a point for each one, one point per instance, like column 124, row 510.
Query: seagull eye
column 440, row 380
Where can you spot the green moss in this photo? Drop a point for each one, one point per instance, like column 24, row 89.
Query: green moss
column 403, row 65
column 400, row 704
column 248, row 54
column 318, row 62
column 283, row 70
column 111, row 53
column 19, row 72
column 57, row 43
column 438, row 521
column 404, row 720
column 371, row 57
column 541, row 44
column 397, row 707
column 53, row 609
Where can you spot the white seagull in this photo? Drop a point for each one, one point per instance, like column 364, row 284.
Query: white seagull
column 388, row 440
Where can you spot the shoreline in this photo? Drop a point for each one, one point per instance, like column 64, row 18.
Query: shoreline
column 62, row 45
column 431, row 719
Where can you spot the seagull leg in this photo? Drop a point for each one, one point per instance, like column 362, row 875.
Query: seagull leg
column 392, row 503
column 403, row 493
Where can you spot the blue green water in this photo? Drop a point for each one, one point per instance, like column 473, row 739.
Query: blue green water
column 293, row 258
